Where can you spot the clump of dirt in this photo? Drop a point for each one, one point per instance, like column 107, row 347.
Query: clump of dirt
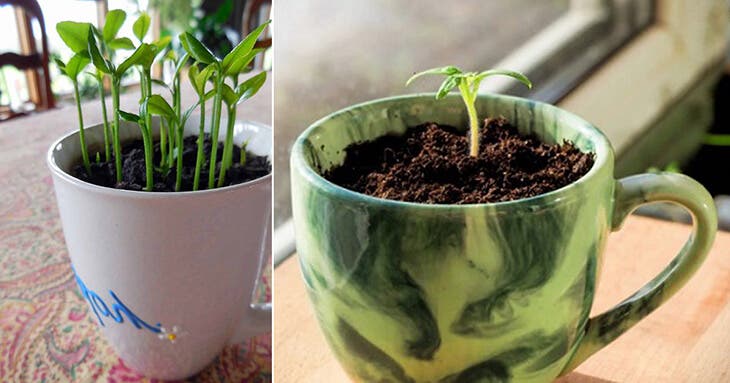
column 430, row 163
column 134, row 171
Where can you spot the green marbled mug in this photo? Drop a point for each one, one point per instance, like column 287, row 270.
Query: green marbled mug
column 408, row 292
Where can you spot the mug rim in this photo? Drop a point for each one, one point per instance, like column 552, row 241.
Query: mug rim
column 604, row 154
column 104, row 190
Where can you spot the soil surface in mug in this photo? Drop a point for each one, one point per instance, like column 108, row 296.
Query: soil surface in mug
column 431, row 164
column 134, row 171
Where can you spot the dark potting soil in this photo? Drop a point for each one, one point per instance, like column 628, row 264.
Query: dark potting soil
column 431, row 164
column 134, row 171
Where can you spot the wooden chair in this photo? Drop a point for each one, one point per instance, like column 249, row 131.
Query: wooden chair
column 36, row 63
column 255, row 13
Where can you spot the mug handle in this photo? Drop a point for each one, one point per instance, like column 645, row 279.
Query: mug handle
column 629, row 194
column 256, row 317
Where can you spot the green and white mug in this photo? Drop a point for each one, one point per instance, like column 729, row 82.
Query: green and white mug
column 408, row 292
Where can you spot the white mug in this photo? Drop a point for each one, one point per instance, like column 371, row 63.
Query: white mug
column 169, row 277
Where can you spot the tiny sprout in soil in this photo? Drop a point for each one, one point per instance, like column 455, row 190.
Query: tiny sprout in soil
column 468, row 85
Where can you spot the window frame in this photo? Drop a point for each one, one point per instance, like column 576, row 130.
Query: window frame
column 570, row 49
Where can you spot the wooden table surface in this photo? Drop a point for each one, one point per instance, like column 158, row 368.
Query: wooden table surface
column 47, row 333
column 685, row 340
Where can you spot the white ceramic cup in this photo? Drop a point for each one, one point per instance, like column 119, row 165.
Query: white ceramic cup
column 168, row 276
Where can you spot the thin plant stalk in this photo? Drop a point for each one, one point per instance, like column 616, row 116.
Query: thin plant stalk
column 242, row 160
column 227, row 157
column 200, row 158
column 471, row 111
column 176, row 102
column 115, row 129
column 82, row 138
column 147, row 140
column 170, row 146
column 178, row 168
column 163, row 144
column 107, row 154
column 217, row 101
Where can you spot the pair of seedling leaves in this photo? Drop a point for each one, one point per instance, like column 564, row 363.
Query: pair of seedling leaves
column 82, row 39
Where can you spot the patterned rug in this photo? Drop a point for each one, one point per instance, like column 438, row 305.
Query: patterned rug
column 46, row 331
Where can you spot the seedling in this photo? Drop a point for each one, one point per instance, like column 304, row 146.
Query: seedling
column 468, row 85
column 72, row 69
column 234, row 63
column 99, row 47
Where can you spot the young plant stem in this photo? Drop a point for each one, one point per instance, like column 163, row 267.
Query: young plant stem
column 242, row 160
column 468, row 97
column 200, row 158
column 179, row 131
column 227, row 157
column 170, row 147
column 163, row 144
column 148, row 144
column 176, row 103
column 115, row 129
column 147, row 83
column 82, row 138
column 107, row 154
column 147, row 141
column 142, row 86
column 217, row 101
column 179, row 167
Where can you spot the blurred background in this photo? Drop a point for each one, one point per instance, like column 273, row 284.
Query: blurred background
column 652, row 74
column 218, row 23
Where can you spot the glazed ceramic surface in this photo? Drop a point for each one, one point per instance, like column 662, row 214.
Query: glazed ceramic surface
column 408, row 292
column 168, row 276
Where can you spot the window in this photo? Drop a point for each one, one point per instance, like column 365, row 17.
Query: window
column 333, row 54
column 13, row 86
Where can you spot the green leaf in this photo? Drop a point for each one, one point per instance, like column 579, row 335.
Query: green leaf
column 99, row 61
column 131, row 117
column 504, row 72
column 210, row 94
column 250, row 87
column 717, row 139
column 447, row 70
column 232, row 61
column 187, row 113
column 74, row 34
column 162, row 84
column 156, row 105
column 199, row 78
column 162, row 43
column 143, row 55
column 114, row 21
column 196, row 49
column 141, row 26
column 238, row 65
column 123, row 43
column 171, row 55
column 180, row 63
column 60, row 64
column 229, row 96
column 76, row 65
column 450, row 83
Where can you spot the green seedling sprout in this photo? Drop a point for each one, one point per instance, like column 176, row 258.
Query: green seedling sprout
column 468, row 85
column 198, row 79
column 233, row 64
column 99, row 47
column 244, row 146
column 74, row 35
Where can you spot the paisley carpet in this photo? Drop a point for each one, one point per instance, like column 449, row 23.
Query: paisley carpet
column 46, row 331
